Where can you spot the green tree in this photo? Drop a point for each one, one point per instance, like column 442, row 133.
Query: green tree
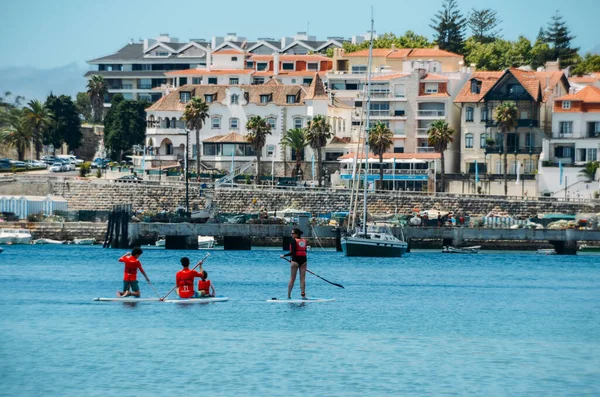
column 295, row 139
column 318, row 133
column 507, row 119
column 39, row 119
column 66, row 125
column 558, row 36
column 124, row 125
column 589, row 171
column 16, row 132
column 589, row 64
column 96, row 90
column 498, row 54
column 84, row 107
column 380, row 140
column 7, row 102
column 440, row 135
column 449, row 25
column 483, row 24
column 195, row 114
column 409, row 40
column 258, row 129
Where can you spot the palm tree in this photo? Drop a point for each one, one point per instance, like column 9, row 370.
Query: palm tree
column 258, row 129
column 589, row 171
column 318, row 133
column 16, row 132
column 506, row 117
column 440, row 135
column 96, row 90
column 295, row 139
column 195, row 113
column 380, row 140
column 39, row 118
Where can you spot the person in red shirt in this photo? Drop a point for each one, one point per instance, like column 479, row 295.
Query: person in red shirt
column 131, row 286
column 298, row 262
column 184, row 279
column 205, row 286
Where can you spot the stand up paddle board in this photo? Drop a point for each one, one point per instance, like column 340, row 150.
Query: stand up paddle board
column 126, row 299
column 307, row 300
column 199, row 300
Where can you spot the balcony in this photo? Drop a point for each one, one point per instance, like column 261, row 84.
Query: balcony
column 164, row 131
column 426, row 149
column 422, row 132
column 399, row 133
column 514, row 149
column 432, row 113
column 387, row 113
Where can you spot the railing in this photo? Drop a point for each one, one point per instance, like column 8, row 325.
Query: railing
column 164, row 131
column 379, row 113
column 422, row 131
column 513, row 150
column 399, row 132
column 426, row 149
column 387, row 171
column 144, row 86
column 432, row 113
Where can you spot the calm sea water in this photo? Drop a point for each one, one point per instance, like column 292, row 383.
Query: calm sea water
column 501, row 324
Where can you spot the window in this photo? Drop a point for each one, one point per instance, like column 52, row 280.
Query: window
column 215, row 122
column 210, row 149
column 515, row 89
column 234, row 81
column 475, row 86
column 529, row 140
column 182, row 81
column 469, row 141
column 235, row 99
column 162, row 54
column 212, row 80
column 313, row 66
column 483, row 140
column 290, row 99
column 484, row 114
column 469, row 114
column 233, row 123
column 264, row 98
column 307, row 81
column 261, row 66
column 209, row 98
column 271, row 150
column 144, row 84
column 258, row 80
column 184, row 97
column 297, row 122
column 565, row 128
column 233, row 59
column 529, row 166
column 196, row 80
column 499, row 168
column 250, row 64
column 333, row 156
column 566, row 105
column 359, row 69
column 272, row 122
column 563, row 151
column 293, row 81
column 287, row 66
column 431, row 88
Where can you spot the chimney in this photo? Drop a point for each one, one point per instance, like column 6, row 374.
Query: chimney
column 208, row 60
column 473, row 68
column 393, row 47
column 275, row 63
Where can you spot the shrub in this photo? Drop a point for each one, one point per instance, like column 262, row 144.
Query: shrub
column 84, row 169
column 98, row 173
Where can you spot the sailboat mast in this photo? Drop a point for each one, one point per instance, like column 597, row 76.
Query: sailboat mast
column 368, row 126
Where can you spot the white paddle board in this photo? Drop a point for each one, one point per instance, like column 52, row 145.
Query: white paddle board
column 126, row 299
column 199, row 300
column 307, row 300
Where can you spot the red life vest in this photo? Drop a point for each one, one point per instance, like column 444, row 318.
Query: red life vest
column 204, row 285
column 185, row 282
column 131, row 268
column 300, row 247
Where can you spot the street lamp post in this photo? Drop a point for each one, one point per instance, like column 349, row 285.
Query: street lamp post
column 187, row 189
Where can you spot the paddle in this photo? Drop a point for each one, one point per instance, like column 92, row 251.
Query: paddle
column 152, row 285
column 173, row 289
column 316, row 275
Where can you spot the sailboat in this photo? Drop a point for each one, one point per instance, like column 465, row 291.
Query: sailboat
column 371, row 240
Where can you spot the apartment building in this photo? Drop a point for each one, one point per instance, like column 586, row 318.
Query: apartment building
column 230, row 107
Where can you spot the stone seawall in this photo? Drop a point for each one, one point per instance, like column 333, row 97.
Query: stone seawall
column 102, row 195
column 63, row 231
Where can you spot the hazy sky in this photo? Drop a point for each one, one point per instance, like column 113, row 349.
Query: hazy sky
column 48, row 34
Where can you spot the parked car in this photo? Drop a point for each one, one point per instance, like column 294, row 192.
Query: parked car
column 57, row 167
column 129, row 178
column 68, row 164
column 100, row 163
column 35, row 164
column 49, row 159
column 17, row 163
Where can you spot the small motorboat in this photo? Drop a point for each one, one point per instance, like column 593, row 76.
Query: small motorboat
column 461, row 250
column 47, row 241
column 158, row 245
column 84, row 241
column 206, row 242
column 15, row 236
column 546, row 251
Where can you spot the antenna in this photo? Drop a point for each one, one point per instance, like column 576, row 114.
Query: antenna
column 307, row 28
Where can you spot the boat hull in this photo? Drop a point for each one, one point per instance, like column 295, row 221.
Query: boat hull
column 369, row 248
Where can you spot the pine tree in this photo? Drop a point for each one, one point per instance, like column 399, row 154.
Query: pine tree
column 558, row 36
column 449, row 25
column 483, row 25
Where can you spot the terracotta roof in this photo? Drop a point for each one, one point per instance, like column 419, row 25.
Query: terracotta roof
column 308, row 58
column 286, row 73
column 589, row 94
column 232, row 137
column 584, row 79
column 397, row 156
column 549, row 80
column 529, row 80
column 340, row 140
column 390, row 76
column 316, row 89
column 434, row 77
column 205, row 72
column 381, row 52
column 432, row 52
column 228, row 52
column 488, row 79
column 437, row 95
column 278, row 95
column 273, row 81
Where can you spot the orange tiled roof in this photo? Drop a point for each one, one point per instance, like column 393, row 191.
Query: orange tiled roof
column 434, row 77
column 584, row 79
column 488, row 79
column 232, row 137
column 432, row 52
column 529, row 80
column 390, row 76
column 228, row 52
column 381, row 52
column 549, row 80
column 589, row 94
column 308, row 57
column 203, row 72
column 397, row 156
column 316, row 89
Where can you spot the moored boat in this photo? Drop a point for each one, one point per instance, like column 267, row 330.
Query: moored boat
column 84, row 241
column 15, row 236
column 47, row 241
column 546, row 251
column 589, row 248
column 376, row 241
column 206, row 242
column 461, row 250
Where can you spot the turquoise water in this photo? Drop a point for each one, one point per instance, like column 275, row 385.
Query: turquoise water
column 500, row 324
